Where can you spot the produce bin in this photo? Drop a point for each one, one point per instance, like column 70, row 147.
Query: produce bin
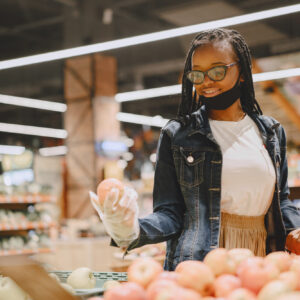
column 101, row 277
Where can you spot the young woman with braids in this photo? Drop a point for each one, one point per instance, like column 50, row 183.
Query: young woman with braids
column 221, row 171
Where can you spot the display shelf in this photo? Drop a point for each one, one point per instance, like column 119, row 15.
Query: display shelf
column 26, row 199
column 25, row 251
column 26, row 226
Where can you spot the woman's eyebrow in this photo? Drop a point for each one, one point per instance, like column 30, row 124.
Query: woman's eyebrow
column 215, row 63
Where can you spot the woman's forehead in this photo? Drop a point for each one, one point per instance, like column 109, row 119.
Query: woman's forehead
column 214, row 51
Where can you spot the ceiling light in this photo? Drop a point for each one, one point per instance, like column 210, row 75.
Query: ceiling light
column 156, row 121
column 33, row 130
column 11, row 150
column 176, row 89
column 149, row 93
column 147, row 38
column 273, row 75
column 33, row 103
column 53, row 151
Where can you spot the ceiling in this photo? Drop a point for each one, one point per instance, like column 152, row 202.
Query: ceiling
column 36, row 26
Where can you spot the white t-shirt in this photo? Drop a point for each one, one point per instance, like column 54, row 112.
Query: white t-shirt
column 248, row 174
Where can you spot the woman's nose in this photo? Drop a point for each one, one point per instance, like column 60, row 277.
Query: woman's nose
column 206, row 79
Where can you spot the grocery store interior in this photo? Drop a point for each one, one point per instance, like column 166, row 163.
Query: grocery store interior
column 85, row 88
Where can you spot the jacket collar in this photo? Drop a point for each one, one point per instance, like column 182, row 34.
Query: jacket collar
column 200, row 124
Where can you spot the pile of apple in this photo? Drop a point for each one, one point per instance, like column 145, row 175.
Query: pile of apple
column 234, row 274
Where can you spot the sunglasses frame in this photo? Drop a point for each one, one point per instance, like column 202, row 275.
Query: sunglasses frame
column 225, row 67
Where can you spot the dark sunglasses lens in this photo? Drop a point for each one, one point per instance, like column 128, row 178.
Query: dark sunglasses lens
column 195, row 77
column 217, row 73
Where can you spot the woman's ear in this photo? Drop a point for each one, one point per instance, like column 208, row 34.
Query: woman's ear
column 242, row 78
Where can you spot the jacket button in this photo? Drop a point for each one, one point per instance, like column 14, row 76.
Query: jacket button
column 190, row 159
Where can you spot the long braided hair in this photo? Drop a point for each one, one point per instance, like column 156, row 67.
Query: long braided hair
column 190, row 101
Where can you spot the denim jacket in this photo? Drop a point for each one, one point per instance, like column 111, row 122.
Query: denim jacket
column 187, row 192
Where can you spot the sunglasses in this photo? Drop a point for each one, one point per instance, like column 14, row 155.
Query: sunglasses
column 217, row 73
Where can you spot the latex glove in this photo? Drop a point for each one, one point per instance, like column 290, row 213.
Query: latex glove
column 119, row 215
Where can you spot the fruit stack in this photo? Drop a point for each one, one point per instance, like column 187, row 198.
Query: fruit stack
column 234, row 274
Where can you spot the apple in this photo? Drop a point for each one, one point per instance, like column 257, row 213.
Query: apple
column 220, row 262
column 126, row 291
column 158, row 286
column 225, row 284
column 144, row 270
column 293, row 241
column 196, row 275
column 169, row 275
column 291, row 278
column 273, row 289
column 255, row 272
column 238, row 255
column 188, row 294
column 82, row 278
column 105, row 187
column 289, row 296
column 110, row 284
column 10, row 290
column 281, row 259
column 241, row 294
column 295, row 267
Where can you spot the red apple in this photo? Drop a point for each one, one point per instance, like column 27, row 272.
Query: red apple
column 220, row 262
column 295, row 267
column 105, row 186
column 273, row 289
column 291, row 278
column 238, row 255
column 195, row 275
column 241, row 294
column 169, row 275
column 281, row 259
column 143, row 271
column 188, row 294
column 225, row 284
column 126, row 291
column 255, row 272
column 289, row 296
column 157, row 286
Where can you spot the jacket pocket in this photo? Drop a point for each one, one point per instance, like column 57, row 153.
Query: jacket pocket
column 189, row 165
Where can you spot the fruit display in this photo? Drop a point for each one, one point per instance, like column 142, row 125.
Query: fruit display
column 235, row 274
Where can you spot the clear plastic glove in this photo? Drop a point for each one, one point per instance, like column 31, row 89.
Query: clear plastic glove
column 119, row 215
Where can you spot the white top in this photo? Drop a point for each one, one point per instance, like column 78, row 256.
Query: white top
column 248, row 174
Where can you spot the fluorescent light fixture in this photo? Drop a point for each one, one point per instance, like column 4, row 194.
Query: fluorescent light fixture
column 11, row 150
column 147, row 38
column 53, row 151
column 276, row 75
column 176, row 89
column 33, row 130
column 149, row 93
column 156, row 121
column 33, row 103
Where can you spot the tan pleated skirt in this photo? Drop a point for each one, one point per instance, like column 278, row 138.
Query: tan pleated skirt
column 243, row 232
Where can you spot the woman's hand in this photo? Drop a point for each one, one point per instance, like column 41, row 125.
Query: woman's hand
column 293, row 241
column 119, row 215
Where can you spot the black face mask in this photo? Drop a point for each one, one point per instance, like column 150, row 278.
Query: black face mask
column 224, row 100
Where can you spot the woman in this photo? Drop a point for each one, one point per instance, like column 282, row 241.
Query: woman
column 221, row 171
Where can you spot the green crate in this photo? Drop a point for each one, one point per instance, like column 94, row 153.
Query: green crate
column 101, row 277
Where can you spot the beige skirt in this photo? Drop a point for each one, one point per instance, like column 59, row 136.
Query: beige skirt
column 243, row 232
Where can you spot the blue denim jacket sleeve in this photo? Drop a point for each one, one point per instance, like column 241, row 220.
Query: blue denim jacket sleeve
column 290, row 213
column 166, row 221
